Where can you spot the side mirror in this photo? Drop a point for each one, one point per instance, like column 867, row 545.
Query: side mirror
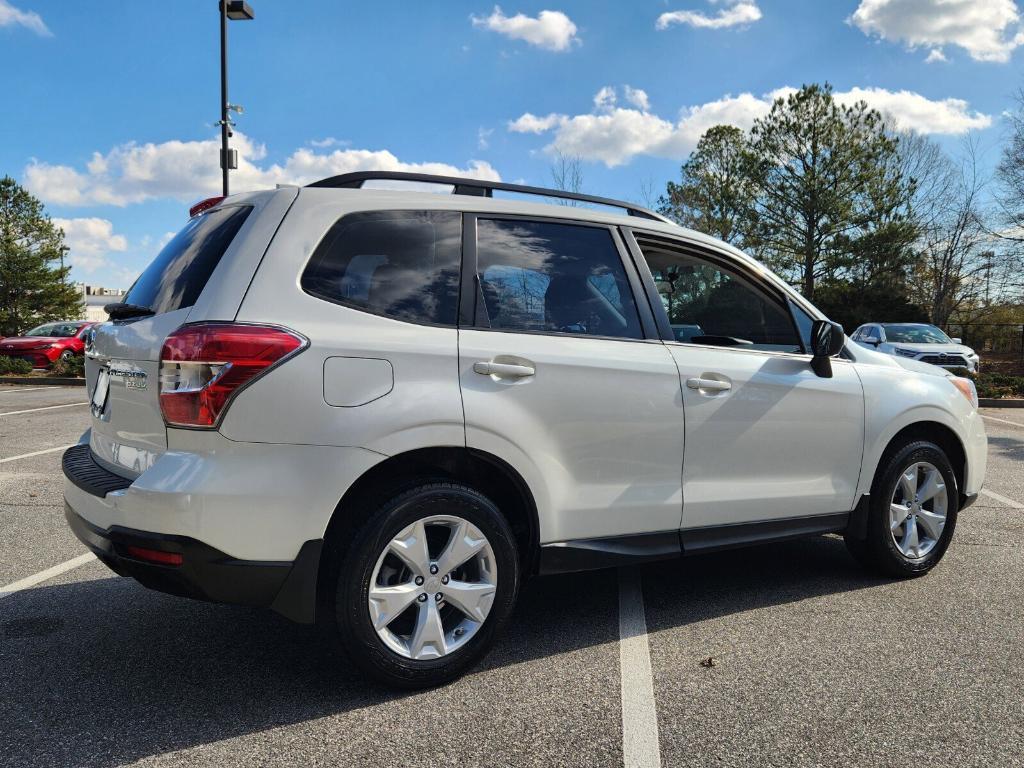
column 827, row 340
column 957, row 341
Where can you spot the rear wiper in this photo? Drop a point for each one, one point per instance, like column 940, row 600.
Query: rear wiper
column 121, row 311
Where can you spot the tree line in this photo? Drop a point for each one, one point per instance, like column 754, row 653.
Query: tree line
column 868, row 222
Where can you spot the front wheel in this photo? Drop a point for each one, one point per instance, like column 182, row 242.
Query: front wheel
column 427, row 583
column 66, row 356
column 912, row 512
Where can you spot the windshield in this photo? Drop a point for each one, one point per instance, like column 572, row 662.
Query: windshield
column 62, row 330
column 916, row 334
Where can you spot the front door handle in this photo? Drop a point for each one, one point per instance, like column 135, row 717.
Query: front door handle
column 504, row 370
column 708, row 385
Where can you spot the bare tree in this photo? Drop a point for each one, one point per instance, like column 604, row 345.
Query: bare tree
column 957, row 264
column 567, row 175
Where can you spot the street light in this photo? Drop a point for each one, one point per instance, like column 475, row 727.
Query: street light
column 236, row 10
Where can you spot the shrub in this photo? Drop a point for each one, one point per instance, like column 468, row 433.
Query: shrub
column 74, row 368
column 999, row 385
column 15, row 366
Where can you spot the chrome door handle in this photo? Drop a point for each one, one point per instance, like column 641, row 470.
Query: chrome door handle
column 507, row 370
column 708, row 385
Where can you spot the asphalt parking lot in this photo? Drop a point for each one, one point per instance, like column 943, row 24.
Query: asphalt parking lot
column 814, row 662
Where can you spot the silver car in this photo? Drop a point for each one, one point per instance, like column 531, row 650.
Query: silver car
column 917, row 341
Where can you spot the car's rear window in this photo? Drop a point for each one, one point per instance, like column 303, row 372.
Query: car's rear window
column 178, row 274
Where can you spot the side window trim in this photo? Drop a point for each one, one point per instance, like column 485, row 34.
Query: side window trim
column 471, row 294
column 706, row 254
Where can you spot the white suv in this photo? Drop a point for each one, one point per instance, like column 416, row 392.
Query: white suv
column 383, row 409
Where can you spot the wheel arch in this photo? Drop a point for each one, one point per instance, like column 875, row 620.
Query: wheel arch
column 480, row 470
column 935, row 432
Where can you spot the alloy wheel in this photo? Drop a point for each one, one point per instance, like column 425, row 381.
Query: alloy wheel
column 917, row 510
column 432, row 587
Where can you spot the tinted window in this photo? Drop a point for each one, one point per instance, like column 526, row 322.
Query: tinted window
column 554, row 278
column 804, row 323
column 55, row 330
column 403, row 264
column 179, row 273
column 707, row 304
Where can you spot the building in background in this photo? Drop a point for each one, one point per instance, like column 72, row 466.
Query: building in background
column 94, row 298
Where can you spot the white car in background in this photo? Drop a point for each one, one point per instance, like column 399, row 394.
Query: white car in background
column 917, row 341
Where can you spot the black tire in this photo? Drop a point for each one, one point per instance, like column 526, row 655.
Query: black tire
column 66, row 355
column 351, row 588
column 877, row 551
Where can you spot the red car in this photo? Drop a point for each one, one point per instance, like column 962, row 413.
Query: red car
column 47, row 343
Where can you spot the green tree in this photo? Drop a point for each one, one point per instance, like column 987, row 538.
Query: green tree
column 716, row 192
column 830, row 188
column 33, row 287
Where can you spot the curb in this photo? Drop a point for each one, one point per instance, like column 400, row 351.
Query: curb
column 45, row 380
column 996, row 402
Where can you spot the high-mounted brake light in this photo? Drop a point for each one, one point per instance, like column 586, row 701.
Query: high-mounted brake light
column 204, row 205
column 203, row 366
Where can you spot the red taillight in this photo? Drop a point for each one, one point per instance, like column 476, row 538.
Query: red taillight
column 202, row 366
column 154, row 555
column 204, row 205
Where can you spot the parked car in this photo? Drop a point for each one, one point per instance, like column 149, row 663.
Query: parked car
column 47, row 343
column 918, row 341
column 382, row 410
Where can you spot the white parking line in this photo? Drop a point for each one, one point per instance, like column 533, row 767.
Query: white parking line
column 1004, row 421
column 24, row 389
column 49, row 573
column 1002, row 499
column 640, row 747
column 37, row 453
column 44, row 408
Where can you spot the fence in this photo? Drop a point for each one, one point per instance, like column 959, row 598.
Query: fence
column 997, row 338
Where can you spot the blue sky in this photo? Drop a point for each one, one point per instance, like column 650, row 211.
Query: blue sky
column 108, row 107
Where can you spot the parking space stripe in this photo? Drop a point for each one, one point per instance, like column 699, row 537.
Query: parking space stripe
column 1002, row 499
column 640, row 748
column 49, row 573
column 37, row 453
column 25, row 389
column 1002, row 421
column 44, row 408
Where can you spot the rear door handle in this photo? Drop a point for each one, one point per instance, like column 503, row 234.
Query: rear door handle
column 505, row 370
column 708, row 385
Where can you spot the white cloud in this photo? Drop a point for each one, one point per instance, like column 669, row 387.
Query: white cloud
column 90, row 241
column 483, row 136
column 638, row 98
column 989, row 30
column 552, row 30
column 614, row 135
column 187, row 170
column 934, row 55
column 11, row 16
column 732, row 14
column 329, row 141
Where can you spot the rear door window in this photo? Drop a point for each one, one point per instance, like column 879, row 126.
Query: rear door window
column 179, row 273
column 546, row 277
column 401, row 264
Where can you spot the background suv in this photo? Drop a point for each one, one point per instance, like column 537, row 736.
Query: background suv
column 381, row 410
column 46, row 344
column 918, row 341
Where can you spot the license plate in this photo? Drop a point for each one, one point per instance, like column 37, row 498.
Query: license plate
column 99, row 395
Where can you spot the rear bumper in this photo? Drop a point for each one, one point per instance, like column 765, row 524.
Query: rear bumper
column 205, row 573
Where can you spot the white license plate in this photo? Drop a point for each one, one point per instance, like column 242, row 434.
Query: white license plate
column 99, row 395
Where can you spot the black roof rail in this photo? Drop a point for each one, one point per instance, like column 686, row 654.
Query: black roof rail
column 480, row 188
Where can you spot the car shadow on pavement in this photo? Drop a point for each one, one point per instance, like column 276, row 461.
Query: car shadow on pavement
column 105, row 672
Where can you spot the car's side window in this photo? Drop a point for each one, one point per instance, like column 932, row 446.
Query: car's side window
column 547, row 277
column 709, row 304
column 402, row 264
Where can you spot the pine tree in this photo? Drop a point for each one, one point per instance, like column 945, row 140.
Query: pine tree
column 33, row 286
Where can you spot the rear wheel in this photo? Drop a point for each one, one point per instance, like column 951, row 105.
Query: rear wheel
column 426, row 584
column 912, row 512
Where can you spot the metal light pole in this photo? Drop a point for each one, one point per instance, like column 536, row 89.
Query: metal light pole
column 236, row 10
